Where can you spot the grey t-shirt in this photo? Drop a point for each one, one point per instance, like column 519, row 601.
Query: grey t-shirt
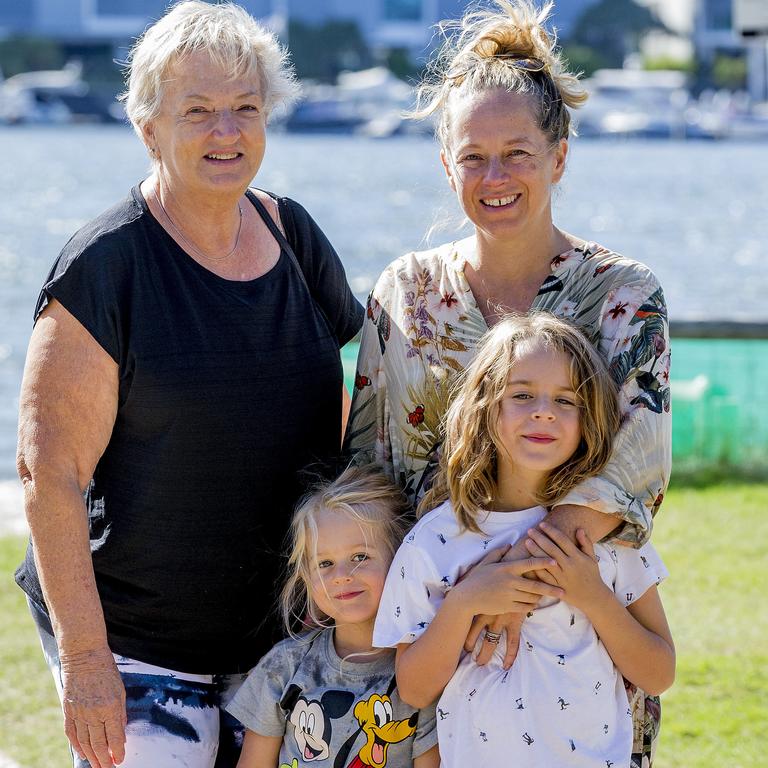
column 326, row 709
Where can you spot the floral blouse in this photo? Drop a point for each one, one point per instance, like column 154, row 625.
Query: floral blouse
column 423, row 325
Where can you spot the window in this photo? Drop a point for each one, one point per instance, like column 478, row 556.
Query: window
column 402, row 10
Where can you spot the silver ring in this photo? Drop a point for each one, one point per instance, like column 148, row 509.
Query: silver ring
column 492, row 637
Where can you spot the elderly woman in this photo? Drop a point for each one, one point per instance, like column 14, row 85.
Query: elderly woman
column 501, row 96
column 183, row 368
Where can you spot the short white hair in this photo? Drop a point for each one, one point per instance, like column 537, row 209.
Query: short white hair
column 234, row 40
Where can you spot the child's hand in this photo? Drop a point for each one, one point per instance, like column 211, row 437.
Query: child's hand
column 499, row 587
column 576, row 569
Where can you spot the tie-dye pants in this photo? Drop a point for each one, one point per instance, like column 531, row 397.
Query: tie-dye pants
column 174, row 718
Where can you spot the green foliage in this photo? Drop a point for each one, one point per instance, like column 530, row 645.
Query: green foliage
column 729, row 72
column 668, row 63
column 25, row 54
column 612, row 29
column 583, row 59
column 713, row 542
column 321, row 52
column 400, row 63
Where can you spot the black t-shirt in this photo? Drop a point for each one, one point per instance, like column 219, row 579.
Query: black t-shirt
column 227, row 389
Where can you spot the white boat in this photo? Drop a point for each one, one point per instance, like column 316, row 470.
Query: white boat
column 635, row 102
column 51, row 96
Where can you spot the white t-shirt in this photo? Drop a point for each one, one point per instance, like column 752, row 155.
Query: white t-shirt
column 563, row 702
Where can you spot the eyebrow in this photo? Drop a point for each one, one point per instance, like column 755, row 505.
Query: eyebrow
column 525, row 382
column 203, row 97
column 508, row 142
column 355, row 547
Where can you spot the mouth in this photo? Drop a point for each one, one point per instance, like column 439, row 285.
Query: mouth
column 349, row 595
column 499, row 202
column 377, row 751
column 310, row 753
column 223, row 157
column 540, row 438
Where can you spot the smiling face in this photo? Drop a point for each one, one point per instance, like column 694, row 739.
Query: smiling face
column 539, row 422
column 210, row 133
column 349, row 569
column 500, row 163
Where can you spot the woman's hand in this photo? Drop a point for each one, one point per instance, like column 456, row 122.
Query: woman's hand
column 576, row 571
column 93, row 701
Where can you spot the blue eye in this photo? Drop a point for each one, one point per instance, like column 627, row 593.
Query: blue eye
column 359, row 557
column 324, row 564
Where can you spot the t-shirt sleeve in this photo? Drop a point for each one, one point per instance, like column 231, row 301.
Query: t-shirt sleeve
column 636, row 571
column 412, row 595
column 257, row 702
column 323, row 271
column 426, row 731
column 85, row 280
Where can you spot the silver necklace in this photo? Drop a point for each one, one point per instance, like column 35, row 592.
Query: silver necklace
column 190, row 244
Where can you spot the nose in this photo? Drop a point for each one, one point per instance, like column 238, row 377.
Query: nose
column 342, row 573
column 495, row 170
column 226, row 123
column 543, row 410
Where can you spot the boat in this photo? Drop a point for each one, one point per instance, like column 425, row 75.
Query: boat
column 51, row 96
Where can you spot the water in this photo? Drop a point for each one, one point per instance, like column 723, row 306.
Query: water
column 694, row 212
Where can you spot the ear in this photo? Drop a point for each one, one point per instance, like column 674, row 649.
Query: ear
column 148, row 135
column 336, row 703
column 290, row 697
column 448, row 169
column 561, row 152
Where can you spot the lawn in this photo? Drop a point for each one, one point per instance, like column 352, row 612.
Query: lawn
column 714, row 543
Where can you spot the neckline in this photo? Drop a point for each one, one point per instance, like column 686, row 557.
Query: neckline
column 458, row 263
column 185, row 258
column 382, row 661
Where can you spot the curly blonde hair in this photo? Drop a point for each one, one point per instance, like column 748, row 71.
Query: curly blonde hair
column 362, row 493
column 468, row 462
column 508, row 48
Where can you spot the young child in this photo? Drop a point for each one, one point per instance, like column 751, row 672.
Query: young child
column 535, row 415
column 326, row 694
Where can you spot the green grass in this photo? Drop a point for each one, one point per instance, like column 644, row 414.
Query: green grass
column 713, row 540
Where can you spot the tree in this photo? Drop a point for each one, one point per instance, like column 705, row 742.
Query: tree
column 321, row 52
column 612, row 30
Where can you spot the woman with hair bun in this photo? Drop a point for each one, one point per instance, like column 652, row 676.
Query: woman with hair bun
column 502, row 96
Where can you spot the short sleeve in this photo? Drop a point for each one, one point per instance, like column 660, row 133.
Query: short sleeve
column 426, row 731
column 257, row 703
column 323, row 270
column 86, row 282
column 412, row 595
column 636, row 571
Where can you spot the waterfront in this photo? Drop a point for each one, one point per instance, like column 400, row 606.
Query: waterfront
column 695, row 212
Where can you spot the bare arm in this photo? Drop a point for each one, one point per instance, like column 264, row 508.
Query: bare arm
column 67, row 409
column 259, row 751
column 424, row 667
column 346, row 402
column 637, row 637
column 430, row 759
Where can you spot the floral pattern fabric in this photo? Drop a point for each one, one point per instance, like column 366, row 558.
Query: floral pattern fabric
column 421, row 329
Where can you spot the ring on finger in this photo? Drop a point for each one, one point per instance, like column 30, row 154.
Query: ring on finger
column 492, row 637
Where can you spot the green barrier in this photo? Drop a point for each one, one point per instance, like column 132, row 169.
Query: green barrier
column 719, row 399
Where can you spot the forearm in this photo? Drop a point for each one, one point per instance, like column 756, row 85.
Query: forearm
column 567, row 518
column 643, row 657
column 58, row 524
column 259, row 751
column 424, row 667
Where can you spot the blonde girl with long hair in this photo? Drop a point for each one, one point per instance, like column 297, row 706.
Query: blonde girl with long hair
column 325, row 693
column 535, row 414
